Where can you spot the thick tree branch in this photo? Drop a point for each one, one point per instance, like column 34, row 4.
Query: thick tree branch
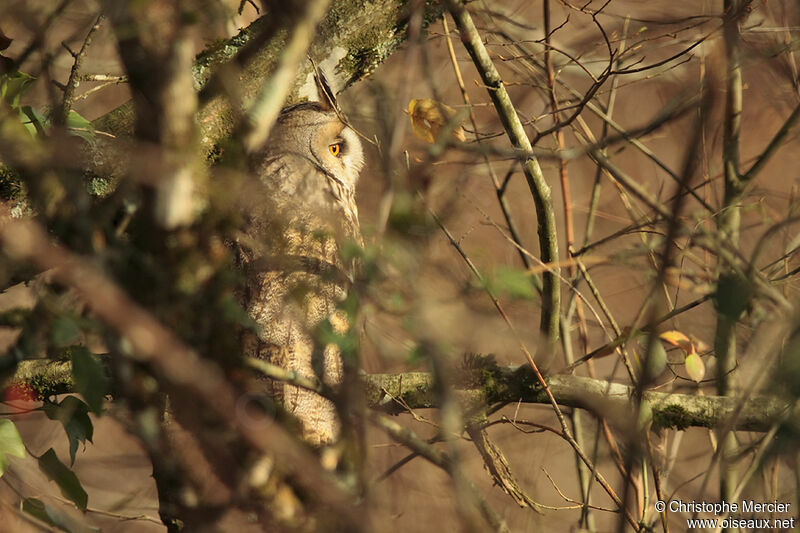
column 729, row 227
column 352, row 40
column 394, row 393
column 613, row 400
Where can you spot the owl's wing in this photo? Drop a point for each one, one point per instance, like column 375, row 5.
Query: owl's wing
column 288, row 297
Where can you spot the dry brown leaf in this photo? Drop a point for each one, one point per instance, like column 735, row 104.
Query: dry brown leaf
column 427, row 119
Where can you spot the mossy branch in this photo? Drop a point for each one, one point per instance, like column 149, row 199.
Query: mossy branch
column 352, row 40
column 394, row 393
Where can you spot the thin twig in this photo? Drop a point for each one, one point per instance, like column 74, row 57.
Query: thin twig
column 40, row 34
column 72, row 83
column 412, row 441
column 773, row 145
column 562, row 421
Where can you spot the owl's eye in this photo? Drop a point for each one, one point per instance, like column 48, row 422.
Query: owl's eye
column 336, row 149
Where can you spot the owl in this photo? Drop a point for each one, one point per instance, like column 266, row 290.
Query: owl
column 291, row 253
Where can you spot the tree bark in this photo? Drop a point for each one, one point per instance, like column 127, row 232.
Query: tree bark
column 495, row 384
column 352, row 40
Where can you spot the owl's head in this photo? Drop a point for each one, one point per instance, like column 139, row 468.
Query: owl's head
column 310, row 165
column 312, row 158
column 317, row 133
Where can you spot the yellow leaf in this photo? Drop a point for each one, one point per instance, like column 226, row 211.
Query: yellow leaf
column 676, row 338
column 427, row 119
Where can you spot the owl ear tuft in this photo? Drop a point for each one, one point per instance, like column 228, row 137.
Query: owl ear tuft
column 325, row 95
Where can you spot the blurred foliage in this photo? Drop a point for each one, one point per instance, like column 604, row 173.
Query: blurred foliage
column 10, row 443
column 74, row 416
column 54, row 517
column 512, row 282
column 65, row 478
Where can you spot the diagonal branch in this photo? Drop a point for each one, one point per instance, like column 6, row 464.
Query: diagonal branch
column 540, row 190
column 351, row 41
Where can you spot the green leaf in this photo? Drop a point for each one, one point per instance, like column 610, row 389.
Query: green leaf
column 37, row 509
column 10, row 443
column 346, row 341
column 79, row 126
column 74, row 416
column 233, row 311
column 350, row 305
column 695, row 367
column 415, row 355
column 14, row 85
column 64, row 331
column 75, row 120
column 656, row 361
column 36, row 123
column 733, row 295
column 351, row 250
column 514, row 282
column 53, row 516
column 65, row 478
column 90, row 378
column 408, row 217
column 645, row 418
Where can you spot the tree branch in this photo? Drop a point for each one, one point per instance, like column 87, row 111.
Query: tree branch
column 540, row 190
column 352, row 40
column 395, row 393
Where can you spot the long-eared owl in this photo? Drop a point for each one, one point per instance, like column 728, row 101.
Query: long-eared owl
column 292, row 254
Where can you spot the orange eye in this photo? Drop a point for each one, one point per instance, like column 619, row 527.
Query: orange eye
column 335, row 149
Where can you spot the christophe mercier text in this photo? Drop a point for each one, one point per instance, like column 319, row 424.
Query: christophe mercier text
column 719, row 508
